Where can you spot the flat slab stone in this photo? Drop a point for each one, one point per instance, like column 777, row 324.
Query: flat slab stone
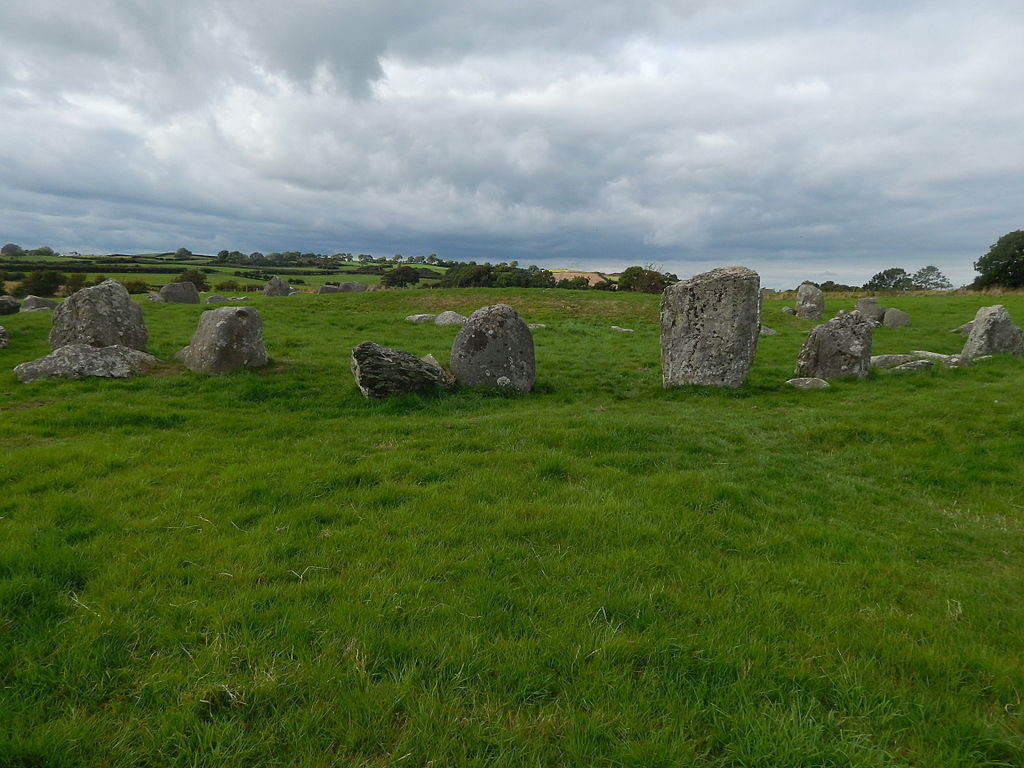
column 621, row 330
column 709, row 328
column 891, row 361
column 915, row 365
column 870, row 308
column 383, row 372
column 32, row 303
column 808, row 383
column 80, row 361
column 420, row 319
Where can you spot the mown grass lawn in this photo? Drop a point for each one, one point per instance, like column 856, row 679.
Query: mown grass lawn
column 265, row 569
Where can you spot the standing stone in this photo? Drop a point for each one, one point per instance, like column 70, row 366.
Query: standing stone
column 895, row 318
column 993, row 333
column 101, row 316
column 870, row 308
column 494, row 349
column 180, row 293
column 80, row 361
column 810, row 302
column 448, row 317
column 351, row 287
column 4, row 338
column 226, row 339
column 277, row 287
column 9, row 305
column 35, row 303
column 838, row 349
column 709, row 328
column 382, row 372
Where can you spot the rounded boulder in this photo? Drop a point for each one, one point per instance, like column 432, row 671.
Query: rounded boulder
column 494, row 349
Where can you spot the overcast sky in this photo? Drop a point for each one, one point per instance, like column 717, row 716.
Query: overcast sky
column 804, row 139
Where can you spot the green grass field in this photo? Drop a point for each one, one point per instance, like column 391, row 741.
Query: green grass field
column 265, row 569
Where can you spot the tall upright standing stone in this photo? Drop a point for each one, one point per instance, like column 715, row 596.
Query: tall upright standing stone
column 838, row 349
column 993, row 333
column 709, row 328
column 810, row 302
column 870, row 308
column 101, row 316
column 494, row 349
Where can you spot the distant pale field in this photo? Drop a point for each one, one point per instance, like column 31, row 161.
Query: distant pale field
column 266, row 569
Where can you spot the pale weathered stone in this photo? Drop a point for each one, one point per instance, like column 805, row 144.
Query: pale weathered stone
column 226, row 339
column 766, row 331
column 621, row 330
column 448, row 317
column 808, row 383
column 895, row 318
column 810, row 302
column 277, row 286
column 993, row 333
column 926, row 355
column 180, row 293
column 915, row 365
column 494, row 349
column 533, row 326
column 102, row 315
column 4, row 337
column 34, row 303
column 79, row 361
column 838, row 349
column 216, row 299
column 420, row 319
column 891, row 361
column 9, row 305
column 870, row 308
column 787, row 310
column 155, row 297
column 709, row 328
column 382, row 372
column 965, row 329
column 352, row 287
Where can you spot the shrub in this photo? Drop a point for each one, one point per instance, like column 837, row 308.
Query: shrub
column 227, row 285
column 194, row 276
column 135, row 286
column 42, row 282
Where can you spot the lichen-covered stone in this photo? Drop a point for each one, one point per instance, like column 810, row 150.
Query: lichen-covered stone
column 80, row 361
column 4, row 337
column 808, row 383
column 870, row 308
column 180, row 293
column 276, row 286
column 102, row 315
column 891, row 361
column 382, row 372
column 226, row 339
column 35, row 303
column 448, row 317
column 993, row 333
column 838, row 349
column 810, row 302
column 494, row 349
column 709, row 328
column 895, row 318
column 420, row 319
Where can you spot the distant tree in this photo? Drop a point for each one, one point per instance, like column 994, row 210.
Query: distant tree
column 830, row 286
column 42, row 282
column 194, row 276
column 183, row 253
column 223, row 255
column 578, row 283
column 75, row 281
column 892, row 279
column 1002, row 265
column 12, row 251
column 399, row 277
column 930, row 279
column 645, row 280
column 43, row 250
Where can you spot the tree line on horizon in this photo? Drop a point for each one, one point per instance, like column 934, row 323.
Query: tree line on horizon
column 1002, row 265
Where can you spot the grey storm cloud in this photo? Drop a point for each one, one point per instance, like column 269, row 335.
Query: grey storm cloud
column 801, row 139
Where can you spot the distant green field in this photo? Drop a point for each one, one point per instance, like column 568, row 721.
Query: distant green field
column 265, row 569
